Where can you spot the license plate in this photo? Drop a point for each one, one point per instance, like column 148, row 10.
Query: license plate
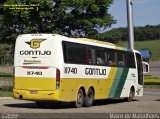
column 33, row 92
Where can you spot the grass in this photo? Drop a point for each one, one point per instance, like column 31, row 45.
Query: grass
column 151, row 82
column 6, row 94
column 152, row 45
column 152, row 86
column 151, row 79
column 4, row 74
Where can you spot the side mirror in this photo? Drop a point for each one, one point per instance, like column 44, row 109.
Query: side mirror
column 145, row 67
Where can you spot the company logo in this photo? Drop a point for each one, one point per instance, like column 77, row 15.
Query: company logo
column 35, row 43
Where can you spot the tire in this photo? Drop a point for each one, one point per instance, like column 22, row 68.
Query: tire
column 80, row 99
column 131, row 95
column 88, row 101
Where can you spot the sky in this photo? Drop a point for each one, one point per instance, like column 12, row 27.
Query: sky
column 145, row 12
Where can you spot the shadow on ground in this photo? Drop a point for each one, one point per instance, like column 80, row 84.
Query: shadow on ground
column 157, row 100
column 50, row 105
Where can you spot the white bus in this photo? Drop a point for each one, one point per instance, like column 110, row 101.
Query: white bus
column 50, row 67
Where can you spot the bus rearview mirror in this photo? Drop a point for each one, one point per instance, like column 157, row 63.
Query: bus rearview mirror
column 145, row 67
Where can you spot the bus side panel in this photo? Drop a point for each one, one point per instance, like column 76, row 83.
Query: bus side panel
column 86, row 76
column 102, row 87
column 111, row 79
column 70, row 86
column 130, row 81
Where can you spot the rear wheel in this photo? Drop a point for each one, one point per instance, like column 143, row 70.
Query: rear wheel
column 80, row 99
column 88, row 101
column 131, row 95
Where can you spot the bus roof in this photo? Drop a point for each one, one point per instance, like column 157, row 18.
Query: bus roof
column 84, row 39
column 96, row 41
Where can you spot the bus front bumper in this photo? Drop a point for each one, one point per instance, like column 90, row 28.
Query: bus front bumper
column 36, row 95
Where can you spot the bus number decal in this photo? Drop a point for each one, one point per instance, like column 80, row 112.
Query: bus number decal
column 34, row 73
column 69, row 70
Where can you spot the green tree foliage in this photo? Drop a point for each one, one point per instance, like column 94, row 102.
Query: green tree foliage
column 6, row 56
column 147, row 32
column 114, row 35
column 74, row 18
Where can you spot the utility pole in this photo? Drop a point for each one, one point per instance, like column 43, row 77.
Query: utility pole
column 129, row 4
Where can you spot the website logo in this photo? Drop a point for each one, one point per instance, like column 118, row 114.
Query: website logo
column 35, row 43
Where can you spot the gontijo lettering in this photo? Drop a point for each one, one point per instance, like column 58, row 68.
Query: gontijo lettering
column 34, row 52
column 95, row 71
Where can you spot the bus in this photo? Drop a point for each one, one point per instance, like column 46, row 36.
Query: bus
column 56, row 68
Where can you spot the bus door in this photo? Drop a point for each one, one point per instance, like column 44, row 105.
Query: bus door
column 140, row 74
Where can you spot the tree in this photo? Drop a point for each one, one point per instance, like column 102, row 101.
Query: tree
column 74, row 18
column 115, row 35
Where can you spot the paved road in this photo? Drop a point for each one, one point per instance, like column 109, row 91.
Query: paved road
column 155, row 72
column 149, row 103
column 155, row 68
column 7, row 69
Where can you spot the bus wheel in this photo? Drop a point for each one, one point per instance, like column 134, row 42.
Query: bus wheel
column 80, row 99
column 88, row 100
column 131, row 95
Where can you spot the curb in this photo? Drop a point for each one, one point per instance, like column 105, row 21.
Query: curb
column 4, row 98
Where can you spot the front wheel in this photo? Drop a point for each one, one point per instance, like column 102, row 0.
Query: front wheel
column 88, row 100
column 80, row 99
column 131, row 96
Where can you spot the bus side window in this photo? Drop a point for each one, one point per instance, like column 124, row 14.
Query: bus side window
column 111, row 58
column 105, row 55
column 88, row 55
column 100, row 56
column 120, row 58
column 93, row 56
column 75, row 53
column 130, row 61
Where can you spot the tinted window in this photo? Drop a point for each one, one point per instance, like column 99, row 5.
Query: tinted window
column 130, row 61
column 139, row 69
column 111, row 58
column 76, row 53
column 121, row 59
column 100, row 56
column 85, row 54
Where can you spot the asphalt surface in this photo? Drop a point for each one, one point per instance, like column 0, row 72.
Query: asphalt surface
column 154, row 69
column 149, row 103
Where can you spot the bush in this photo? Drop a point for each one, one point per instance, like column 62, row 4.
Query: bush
column 6, row 54
column 7, row 88
column 150, row 80
column 4, row 74
column 151, row 83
